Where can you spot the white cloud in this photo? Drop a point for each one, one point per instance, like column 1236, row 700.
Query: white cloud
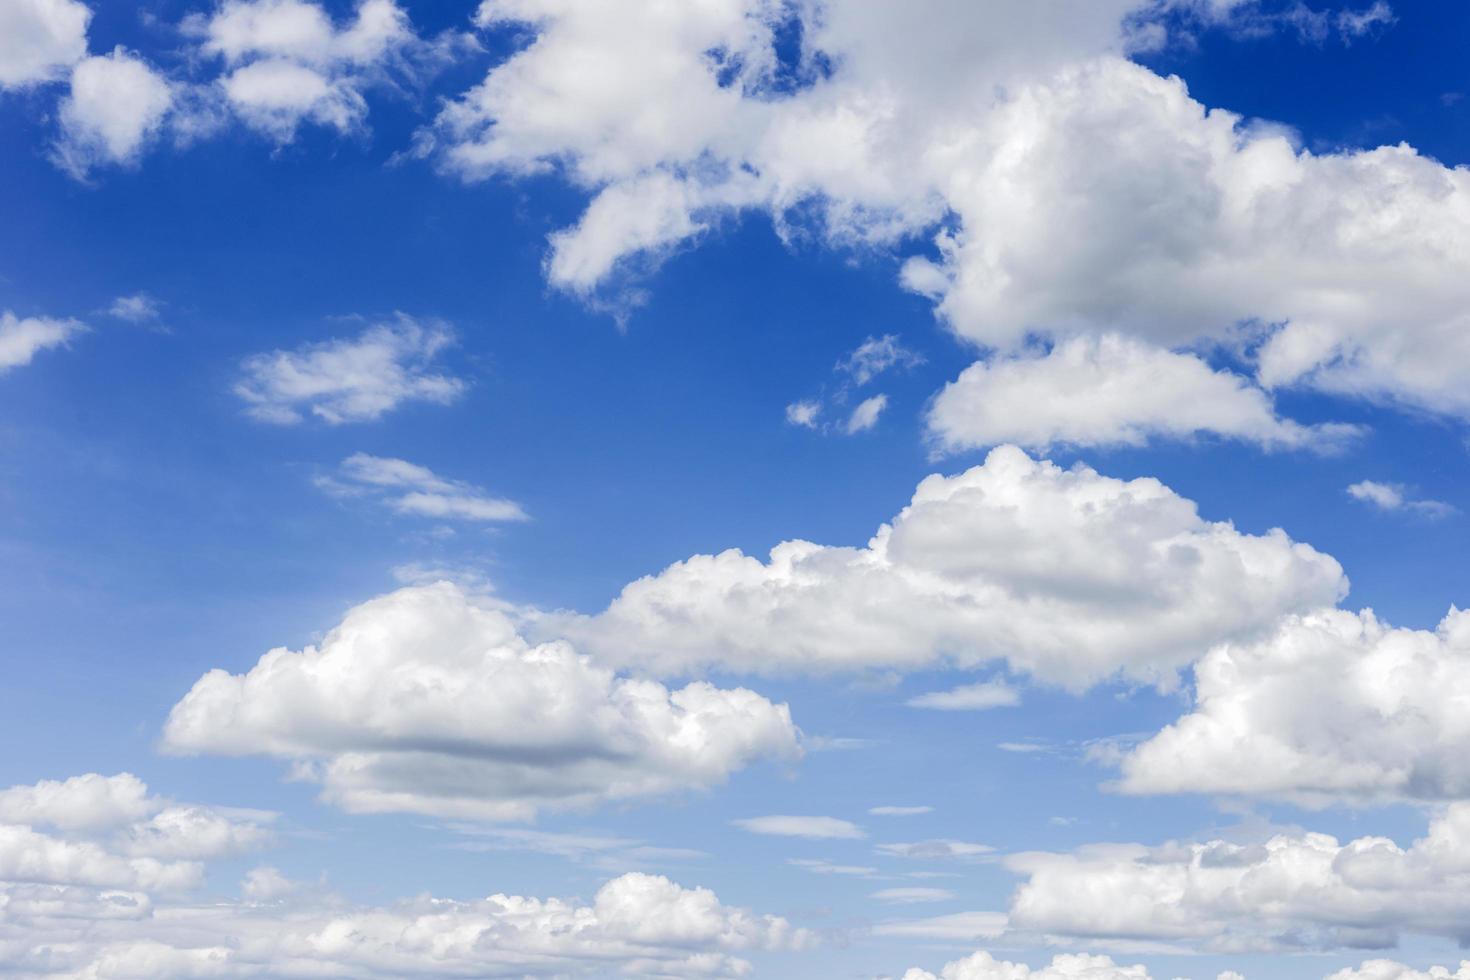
column 1389, row 970
column 820, row 867
column 412, row 489
column 1067, row 966
column 969, row 697
column 1385, row 719
column 351, row 380
column 1295, row 890
column 84, row 802
column 636, row 924
column 287, row 63
column 1108, row 391
column 937, row 850
column 912, row 896
column 1393, row 496
column 957, row 927
column 876, row 355
column 40, row 40
column 22, row 338
column 427, row 700
column 116, row 104
column 804, row 413
column 812, row 828
column 137, row 308
column 900, row 811
column 1064, row 574
column 997, row 129
column 865, row 416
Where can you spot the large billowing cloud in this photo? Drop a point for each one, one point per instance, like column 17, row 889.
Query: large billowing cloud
column 1066, row 190
column 1064, row 574
column 99, row 879
column 425, row 700
column 1385, row 718
column 1293, row 891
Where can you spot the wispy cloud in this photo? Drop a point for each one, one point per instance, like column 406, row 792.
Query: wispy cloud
column 417, row 490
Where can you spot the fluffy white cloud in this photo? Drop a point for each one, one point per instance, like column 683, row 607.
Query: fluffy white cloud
column 412, row 489
column 426, row 700
column 812, row 828
column 1068, row 966
column 40, row 40
column 1065, row 574
column 137, row 308
column 1294, row 890
column 1008, row 127
column 22, row 338
column 116, row 104
column 636, row 924
column 82, row 802
column 1109, row 390
column 351, row 380
column 286, row 63
column 1386, row 717
column 1393, row 496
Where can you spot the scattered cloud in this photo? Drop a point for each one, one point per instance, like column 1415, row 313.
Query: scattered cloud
column 970, row 697
column 1393, row 496
column 812, row 828
column 137, row 308
column 352, row 379
column 865, row 416
column 426, row 700
column 912, row 896
column 937, row 850
column 411, row 489
column 959, row 927
column 900, row 811
column 22, row 338
column 875, row 356
column 116, row 105
column 828, row 868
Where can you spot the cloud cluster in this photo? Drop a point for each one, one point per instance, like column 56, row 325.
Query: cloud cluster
column 996, row 133
column 1292, row 891
column 22, row 338
column 411, row 489
column 351, row 379
column 1066, row 575
column 427, row 701
column 1386, row 719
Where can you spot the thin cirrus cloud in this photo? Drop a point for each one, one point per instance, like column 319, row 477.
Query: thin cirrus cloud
column 427, row 700
column 900, row 811
column 22, row 338
column 912, row 896
column 870, row 359
column 938, row 849
column 1069, row 576
column 355, row 379
column 812, row 828
column 408, row 488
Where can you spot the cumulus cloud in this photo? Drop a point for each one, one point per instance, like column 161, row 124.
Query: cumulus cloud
column 1385, row 721
column 1389, row 970
column 636, row 924
column 1066, row 575
column 969, row 697
column 412, row 489
column 22, row 338
column 351, row 379
column 1110, row 390
column 812, row 828
column 1294, row 890
column 40, row 40
column 1393, row 496
column 1345, row 268
column 1068, row 966
column 116, row 104
column 427, row 700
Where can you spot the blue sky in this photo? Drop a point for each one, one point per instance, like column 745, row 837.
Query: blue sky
column 408, row 340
